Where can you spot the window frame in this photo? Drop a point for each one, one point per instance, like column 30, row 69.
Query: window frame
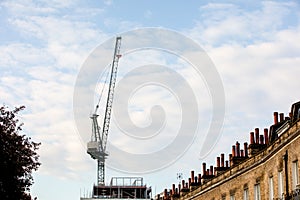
column 246, row 194
column 295, row 174
column 280, row 184
column 257, row 194
column 271, row 188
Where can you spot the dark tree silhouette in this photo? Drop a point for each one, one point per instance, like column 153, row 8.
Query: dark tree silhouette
column 18, row 157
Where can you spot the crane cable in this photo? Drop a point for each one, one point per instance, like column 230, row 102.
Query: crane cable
column 106, row 79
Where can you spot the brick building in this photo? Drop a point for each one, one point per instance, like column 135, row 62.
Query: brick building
column 266, row 168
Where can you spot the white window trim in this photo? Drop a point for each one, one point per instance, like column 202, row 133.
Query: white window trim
column 246, row 194
column 280, row 184
column 232, row 197
column 271, row 188
column 257, row 195
column 295, row 174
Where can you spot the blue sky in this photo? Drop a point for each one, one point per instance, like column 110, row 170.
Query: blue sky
column 254, row 46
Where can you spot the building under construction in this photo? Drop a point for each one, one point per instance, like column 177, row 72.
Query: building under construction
column 121, row 188
column 267, row 168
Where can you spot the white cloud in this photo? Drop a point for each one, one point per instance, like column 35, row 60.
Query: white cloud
column 40, row 71
column 227, row 23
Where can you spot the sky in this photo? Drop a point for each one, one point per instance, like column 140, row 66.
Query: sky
column 47, row 48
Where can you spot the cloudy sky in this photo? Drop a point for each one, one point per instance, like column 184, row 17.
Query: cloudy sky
column 45, row 47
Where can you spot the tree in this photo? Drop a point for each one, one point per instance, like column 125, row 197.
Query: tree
column 18, row 157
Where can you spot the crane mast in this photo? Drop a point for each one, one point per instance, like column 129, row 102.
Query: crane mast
column 97, row 146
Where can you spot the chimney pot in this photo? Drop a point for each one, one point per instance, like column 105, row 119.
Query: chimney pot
column 165, row 193
column 233, row 151
column 199, row 179
column 173, row 188
column 237, row 149
column 222, row 160
column 204, row 168
column 251, row 137
column 246, row 149
column 218, row 161
column 215, row 171
column 261, row 139
column 256, row 135
column 192, row 176
column 275, row 117
column 281, row 117
column 266, row 136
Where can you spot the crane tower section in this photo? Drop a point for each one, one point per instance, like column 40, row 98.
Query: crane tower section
column 97, row 146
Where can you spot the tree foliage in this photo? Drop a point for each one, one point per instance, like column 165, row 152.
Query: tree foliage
column 18, row 157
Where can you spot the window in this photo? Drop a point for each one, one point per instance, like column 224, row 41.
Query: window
column 223, row 197
column 246, row 194
column 271, row 188
column 257, row 192
column 280, row 184
column 295, row 175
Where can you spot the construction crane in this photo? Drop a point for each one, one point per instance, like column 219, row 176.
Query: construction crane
column 97, row 146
